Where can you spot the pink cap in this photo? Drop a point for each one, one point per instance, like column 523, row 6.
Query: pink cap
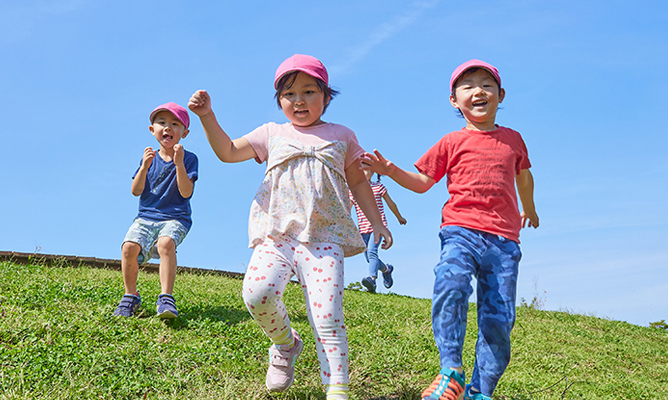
column 473, row 64
column 300, row 62
column 178, row 111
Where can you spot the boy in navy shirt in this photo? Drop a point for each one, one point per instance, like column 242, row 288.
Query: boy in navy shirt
column 165, row 181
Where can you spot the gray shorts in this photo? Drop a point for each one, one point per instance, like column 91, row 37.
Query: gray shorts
column 146, row 234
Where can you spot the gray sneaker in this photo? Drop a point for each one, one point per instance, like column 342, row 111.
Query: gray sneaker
column 281, row 372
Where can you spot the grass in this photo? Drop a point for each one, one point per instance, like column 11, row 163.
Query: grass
column 58, row 340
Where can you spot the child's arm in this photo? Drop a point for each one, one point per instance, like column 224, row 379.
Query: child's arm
column 361, row 190
column 226, row 149
column 393, row 206
column 525, row 189
column 139, row 181
column 183, row 182
column 417, row 182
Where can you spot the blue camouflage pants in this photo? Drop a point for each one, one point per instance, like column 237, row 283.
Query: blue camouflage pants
column 493, row 261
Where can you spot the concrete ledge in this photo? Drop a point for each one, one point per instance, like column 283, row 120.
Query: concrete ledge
column 93, row 262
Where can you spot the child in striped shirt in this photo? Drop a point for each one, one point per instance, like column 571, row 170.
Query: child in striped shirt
column 364, row 226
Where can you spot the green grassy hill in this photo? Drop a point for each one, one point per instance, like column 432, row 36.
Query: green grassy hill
column 58, row 340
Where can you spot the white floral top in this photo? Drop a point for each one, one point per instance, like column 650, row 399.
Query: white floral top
column 304, row 193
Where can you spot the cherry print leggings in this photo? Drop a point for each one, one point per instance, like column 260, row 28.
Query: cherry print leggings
column 319, row 268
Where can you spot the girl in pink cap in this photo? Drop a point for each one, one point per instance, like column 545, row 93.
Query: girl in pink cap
column 300, row 223
column 485, row 165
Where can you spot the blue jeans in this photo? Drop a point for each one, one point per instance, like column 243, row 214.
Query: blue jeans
column 493, row 261
column 371, row 255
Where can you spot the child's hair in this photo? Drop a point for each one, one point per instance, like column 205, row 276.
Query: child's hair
column 287, row 80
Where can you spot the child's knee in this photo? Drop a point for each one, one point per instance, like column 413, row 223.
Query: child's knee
column 166, row 246
column 130, row 250
column 256, row 296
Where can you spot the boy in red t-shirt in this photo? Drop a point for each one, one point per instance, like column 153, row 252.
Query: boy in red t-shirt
column 480, row 225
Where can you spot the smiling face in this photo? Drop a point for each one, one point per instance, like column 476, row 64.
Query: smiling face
column 303, row 102
column 168, row 130
column 477, row 95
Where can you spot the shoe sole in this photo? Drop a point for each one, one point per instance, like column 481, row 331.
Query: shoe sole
column 166, row 315
column 369, row 286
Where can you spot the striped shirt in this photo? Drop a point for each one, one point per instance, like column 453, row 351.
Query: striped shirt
column 363, row 223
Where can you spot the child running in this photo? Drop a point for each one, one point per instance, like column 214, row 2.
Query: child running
column 380, row 193
column 300, row 221
column 165, row 180
column 479, row 230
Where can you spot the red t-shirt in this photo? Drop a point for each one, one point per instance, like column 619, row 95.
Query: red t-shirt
column 481, row 168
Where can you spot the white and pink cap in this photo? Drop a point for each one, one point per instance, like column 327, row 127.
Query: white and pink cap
column 459, row 71
column 306, row 64
column 178, row 111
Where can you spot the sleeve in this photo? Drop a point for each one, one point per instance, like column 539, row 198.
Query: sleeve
column 259, row 139
column 137, row 170
column 354, row 150
column 381, row 190
column 434, row 162
column 192, row 166
column 522, row 155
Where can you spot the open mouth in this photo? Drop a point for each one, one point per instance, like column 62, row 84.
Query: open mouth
column 479, row 103
column 301, row 112
column 167, row 137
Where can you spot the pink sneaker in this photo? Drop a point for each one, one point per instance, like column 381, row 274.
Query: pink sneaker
column 282, row 359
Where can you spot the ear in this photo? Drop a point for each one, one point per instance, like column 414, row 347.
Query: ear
column 502, row 94
column 185, row 133
column 150, row 128
column 453, row 101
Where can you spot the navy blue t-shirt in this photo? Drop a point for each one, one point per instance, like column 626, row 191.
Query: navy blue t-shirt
column 161, row 199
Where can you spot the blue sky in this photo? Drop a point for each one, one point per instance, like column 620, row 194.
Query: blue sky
column 584, row 85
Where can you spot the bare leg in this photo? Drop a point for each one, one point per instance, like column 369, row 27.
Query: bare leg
column 167, row 251
column 130, row 266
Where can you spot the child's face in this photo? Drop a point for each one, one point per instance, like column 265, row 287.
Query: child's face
column 303, row 102
column 167, row 129
column 477, row 95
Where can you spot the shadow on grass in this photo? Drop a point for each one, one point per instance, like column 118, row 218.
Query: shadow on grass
column 229, row 316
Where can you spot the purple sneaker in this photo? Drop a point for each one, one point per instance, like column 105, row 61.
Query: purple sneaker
column 165, row 307
column 128, row 306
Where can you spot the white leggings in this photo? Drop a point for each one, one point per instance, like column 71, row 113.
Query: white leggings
column 319, row 268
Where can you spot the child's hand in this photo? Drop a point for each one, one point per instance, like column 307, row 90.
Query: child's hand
column 200, row 103
column 147, row 160
column 382, row 233
column 531, row 217
column 402, row 220
column 179, row 153
column 377, row 163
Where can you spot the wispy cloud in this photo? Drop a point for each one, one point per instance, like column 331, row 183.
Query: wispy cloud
column 19, row 19
column 382, row 34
